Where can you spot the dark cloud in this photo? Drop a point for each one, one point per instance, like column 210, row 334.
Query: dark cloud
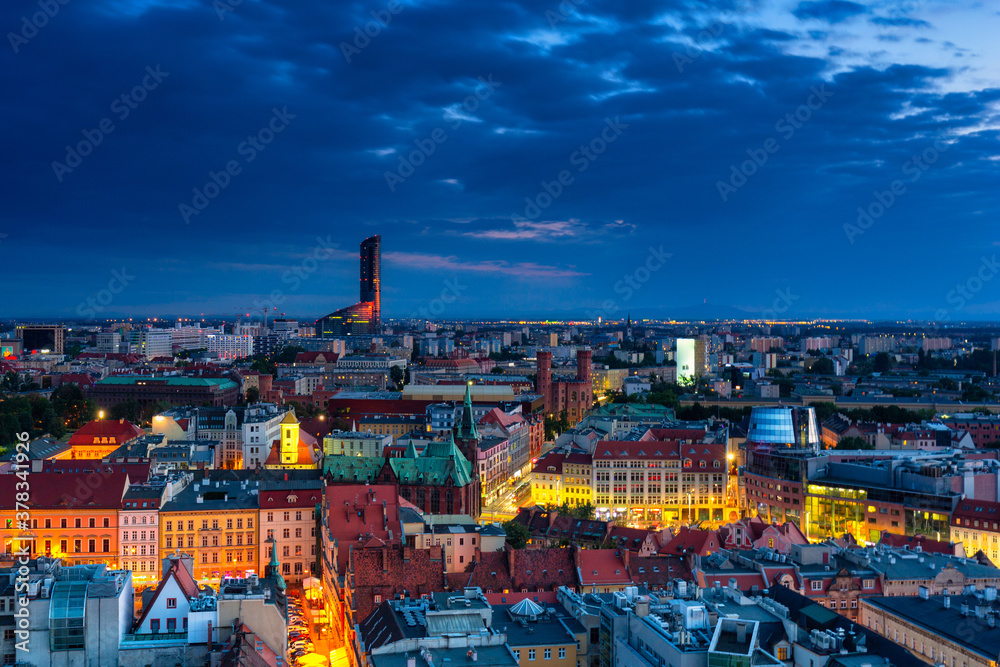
column 832, row 11
column 496, row 102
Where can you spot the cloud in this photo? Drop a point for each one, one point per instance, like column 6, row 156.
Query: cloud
column 831, row 11
column 899, row 22
column 431, row 262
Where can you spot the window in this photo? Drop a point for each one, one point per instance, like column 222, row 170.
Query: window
column 781, row 653
column 171, row 603
column 107, row 522
column 170, row 526
column 815, row 584
column 548, row 654
column 517, row 654
column 154, row 625
column 171, row 625
column 378, row 599
column 868, row 584
column 105, row 545
column 78, row 524
column 562, row 653
column 531, row 654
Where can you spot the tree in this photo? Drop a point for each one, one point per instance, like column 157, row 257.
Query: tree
column 823, row 366
column 151, row 410
column 397, row 377
column 853, row 442
column 585, row 511
column 517, row 534
column 253, row 395
column 882, row 363
column 127, row 410
column 497, row 370
column 975, row 394
column 305, row 411
column 72, row 406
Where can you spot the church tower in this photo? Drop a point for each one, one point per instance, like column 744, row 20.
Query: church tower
column 289, row 443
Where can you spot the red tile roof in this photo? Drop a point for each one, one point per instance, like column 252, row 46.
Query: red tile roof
column 355, row 514
column 688, row 541
column 388, row 571
column 290, row 499
column 500, row 418
column 108, row 431
column 65, row 490
column 602, row 567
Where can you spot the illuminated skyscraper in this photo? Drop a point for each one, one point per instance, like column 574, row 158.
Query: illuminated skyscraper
column 365, row 317
column 371, row 277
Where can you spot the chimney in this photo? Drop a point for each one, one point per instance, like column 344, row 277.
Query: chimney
column 209, row 643
column 947, row 601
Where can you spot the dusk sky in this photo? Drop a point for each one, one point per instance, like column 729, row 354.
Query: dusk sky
column 651, row 112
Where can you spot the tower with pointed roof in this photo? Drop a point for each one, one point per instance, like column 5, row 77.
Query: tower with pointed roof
column 273, row 569
column 289, row 443
column 466, row 442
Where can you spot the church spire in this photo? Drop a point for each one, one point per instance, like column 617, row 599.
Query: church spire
column 467, row 430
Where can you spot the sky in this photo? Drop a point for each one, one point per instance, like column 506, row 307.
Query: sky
column 586, row 158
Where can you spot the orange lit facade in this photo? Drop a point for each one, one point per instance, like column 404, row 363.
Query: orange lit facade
column 73, row 517
column 100, row 437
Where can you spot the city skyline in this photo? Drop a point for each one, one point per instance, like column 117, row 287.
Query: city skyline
column 569, row 149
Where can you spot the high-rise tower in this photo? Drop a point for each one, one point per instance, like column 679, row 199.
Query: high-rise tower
column 365, row 317
column 371, row 277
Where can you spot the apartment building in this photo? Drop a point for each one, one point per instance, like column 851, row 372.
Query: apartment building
column 288, row 515
column 216, row 522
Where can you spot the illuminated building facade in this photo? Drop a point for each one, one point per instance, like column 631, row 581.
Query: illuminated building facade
column 365, row 317
column 862, row 493
column 653, row 481
column 217, row 523
column 74, row 518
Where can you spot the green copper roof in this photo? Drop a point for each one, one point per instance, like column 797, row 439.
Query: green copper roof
column 439, row 462
column 169, row 381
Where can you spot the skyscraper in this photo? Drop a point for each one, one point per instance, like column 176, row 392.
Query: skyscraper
column 371, row 277
column 365, row 317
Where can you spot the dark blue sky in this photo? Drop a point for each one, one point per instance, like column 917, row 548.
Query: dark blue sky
column 643, row 108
